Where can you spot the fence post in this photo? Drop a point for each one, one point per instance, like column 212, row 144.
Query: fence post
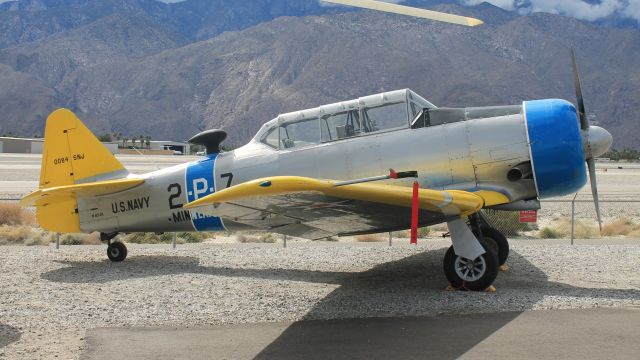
column 284, row 241
column 573, row 216
column 390, row 238
column 57, row 241
column 174, row 241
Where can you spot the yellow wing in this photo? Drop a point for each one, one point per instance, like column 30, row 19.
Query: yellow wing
column 447, row 202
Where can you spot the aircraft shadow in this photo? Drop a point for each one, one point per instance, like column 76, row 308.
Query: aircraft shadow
column 402, row 288
column 8, row 335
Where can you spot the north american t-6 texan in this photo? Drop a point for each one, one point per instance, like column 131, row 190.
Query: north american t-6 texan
column 379, row 163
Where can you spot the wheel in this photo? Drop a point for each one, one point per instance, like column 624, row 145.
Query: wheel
column 117, row 252
column 497, row 241
column 474, row 275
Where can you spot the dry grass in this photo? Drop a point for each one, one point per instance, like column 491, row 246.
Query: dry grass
column 79, row 239
column 562, row 229
column 21, row 235
column 620, row 227
column 14, row 214
column 370, row 238
column 423, row 232
column 267, row 238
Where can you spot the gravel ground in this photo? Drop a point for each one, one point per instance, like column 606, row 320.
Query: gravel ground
column 49, row 298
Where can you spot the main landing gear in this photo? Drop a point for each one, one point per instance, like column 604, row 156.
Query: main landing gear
column 476, row 256
column 116, row 251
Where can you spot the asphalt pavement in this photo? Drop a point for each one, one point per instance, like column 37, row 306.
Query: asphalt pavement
column 562, row 334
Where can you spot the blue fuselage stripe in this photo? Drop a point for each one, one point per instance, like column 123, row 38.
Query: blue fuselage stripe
column 200, row 182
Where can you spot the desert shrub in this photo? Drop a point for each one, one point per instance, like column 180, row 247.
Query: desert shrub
column 72, row 239
column 621, row 226
column 267, row 238
column 14, row 214
column 18, row 235
column 549, row 233
column 562, row 229
column 260, row 238
column 240, row 238
column 370, row 238
column 634, row 234
column 36, row 240
column 423, row 232
column 507, row 222
column 193, row 237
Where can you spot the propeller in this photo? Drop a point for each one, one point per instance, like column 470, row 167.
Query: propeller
column 409, row 11
column 584, row 125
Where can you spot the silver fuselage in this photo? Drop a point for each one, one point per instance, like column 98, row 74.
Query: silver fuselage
column 467, row 155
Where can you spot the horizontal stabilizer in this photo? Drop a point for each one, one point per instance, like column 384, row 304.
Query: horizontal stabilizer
column 41, row 197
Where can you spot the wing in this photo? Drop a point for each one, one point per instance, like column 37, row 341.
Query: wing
column 314, row 208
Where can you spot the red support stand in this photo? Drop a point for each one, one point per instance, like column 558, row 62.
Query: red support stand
column 414, row 214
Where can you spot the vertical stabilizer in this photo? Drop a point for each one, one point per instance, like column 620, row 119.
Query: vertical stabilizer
column 73, row 155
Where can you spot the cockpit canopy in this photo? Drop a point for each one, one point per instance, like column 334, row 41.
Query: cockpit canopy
column 367, row 115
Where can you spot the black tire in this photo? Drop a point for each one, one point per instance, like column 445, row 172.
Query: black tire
column 117, row 252
column 498, row 241
column 483, row 279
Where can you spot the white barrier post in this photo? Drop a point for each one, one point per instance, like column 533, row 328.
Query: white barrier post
column 57, row 241
column 390, row 238
column 284, row 241
column 174, row 241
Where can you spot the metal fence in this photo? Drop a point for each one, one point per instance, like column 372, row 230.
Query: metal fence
column 574, row 217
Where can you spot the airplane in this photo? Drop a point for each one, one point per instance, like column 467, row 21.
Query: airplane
column 329, row 171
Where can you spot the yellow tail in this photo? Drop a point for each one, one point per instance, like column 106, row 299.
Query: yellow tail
column 72, row 155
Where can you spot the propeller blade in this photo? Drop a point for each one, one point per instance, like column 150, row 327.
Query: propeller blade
column 409, row 11
column 584, row 122
column 591, row 164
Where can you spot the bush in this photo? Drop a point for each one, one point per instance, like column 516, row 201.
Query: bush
column 370, row 238
column 19, row 235
column 261, row 238
column 71, row 239
column 14, row 214
column 193, row 237
column 549, row 233
column 621, row 226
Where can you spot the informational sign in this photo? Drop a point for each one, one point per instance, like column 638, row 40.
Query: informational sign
column 528, row 216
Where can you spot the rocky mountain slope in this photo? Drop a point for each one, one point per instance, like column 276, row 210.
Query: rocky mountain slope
column 132, row 72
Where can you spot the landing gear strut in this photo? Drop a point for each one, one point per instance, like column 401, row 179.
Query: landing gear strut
column 116, row 251
column 482, row 230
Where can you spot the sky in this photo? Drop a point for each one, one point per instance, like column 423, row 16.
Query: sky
column 590, row 10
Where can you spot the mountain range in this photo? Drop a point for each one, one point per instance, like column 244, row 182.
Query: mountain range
column 141, row 67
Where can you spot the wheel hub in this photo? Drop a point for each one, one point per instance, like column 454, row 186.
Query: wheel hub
column 114, row 251
column 470, row 270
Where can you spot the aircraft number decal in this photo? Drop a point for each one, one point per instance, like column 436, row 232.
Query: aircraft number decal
column 174, row 196
column 229, row 177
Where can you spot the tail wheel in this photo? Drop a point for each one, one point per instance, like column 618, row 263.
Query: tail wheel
column 498, row 242
column 117, row 252
column 471, row 274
